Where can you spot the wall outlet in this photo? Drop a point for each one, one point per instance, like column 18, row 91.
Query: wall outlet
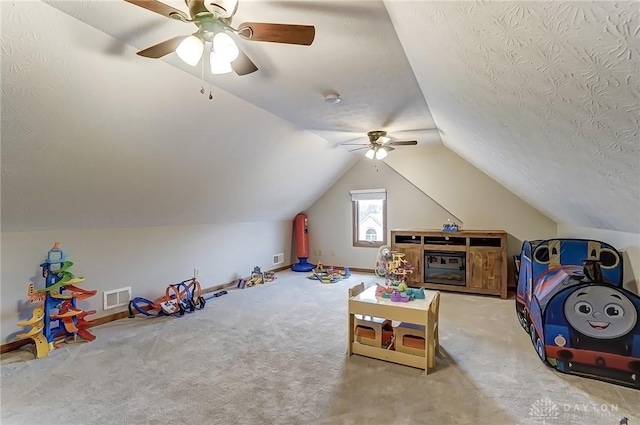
column 278, row 258
column 196, row 272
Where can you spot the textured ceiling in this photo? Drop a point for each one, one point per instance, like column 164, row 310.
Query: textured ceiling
column 542, row 96
column 95, row 136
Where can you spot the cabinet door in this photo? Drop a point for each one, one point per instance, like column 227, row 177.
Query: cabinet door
column 413, row 255
column 485, row 269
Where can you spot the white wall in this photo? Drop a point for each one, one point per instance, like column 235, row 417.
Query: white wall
column 478, row 200
column 145, row 258
column 330, row 221
column 627, row 243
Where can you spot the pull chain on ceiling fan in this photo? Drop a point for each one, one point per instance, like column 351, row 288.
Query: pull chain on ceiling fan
column 213, row 21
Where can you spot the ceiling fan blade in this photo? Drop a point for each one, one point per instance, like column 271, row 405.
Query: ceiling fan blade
column 243, row 65
column 354, row 144
column 389, row 148
column 278, row 33
column 357, row 149
column 162, row 49
column 404, row 143
column 161, row 8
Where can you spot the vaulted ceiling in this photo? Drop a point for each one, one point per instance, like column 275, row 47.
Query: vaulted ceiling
column 541, row 96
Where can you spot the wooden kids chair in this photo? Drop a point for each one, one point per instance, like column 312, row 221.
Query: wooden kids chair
column 369, row 330
column 434, row 314
column 410, row 338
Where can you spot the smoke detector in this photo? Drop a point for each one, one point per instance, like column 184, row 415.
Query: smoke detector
column 332, row 98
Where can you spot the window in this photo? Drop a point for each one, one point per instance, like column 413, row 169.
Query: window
column 369, row 217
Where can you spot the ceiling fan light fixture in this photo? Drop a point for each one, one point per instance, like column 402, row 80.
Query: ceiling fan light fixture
column 218, row 64
column 370, row 153
column 384, row 139
column 190, row 50
column 381, row 153
column 222, row 8
column 225, row 47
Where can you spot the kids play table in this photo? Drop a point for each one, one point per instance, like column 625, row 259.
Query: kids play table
column 414, row 311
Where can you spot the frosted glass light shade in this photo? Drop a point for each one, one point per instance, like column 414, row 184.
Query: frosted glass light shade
column 370, row 153
column 190, row 50
column 224, row 46
column 381, row 154
column 219, row 65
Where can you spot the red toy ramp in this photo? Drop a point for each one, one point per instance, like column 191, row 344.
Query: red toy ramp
column 79, row 293
column 82, row 322
column 85, row 334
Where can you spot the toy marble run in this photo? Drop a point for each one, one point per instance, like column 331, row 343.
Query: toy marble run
column 57, row 314
column 396, row 269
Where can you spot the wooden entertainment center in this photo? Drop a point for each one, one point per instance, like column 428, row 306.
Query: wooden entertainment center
column 473, row 261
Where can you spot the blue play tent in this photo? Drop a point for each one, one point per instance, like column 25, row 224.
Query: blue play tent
column 571, row 302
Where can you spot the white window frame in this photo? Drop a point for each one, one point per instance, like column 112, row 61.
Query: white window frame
column 368, row 195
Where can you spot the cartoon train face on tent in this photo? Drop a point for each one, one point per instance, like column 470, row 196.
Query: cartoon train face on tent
column 580, row 319
column 600, row 312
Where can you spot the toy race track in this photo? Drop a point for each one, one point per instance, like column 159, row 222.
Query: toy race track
column 59, row 315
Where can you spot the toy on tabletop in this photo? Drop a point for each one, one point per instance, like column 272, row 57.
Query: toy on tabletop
column 396, row 296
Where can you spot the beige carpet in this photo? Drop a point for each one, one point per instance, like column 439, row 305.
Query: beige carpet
column 275, row 354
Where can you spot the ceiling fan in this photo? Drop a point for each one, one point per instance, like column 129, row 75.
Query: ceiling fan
column 379, row 144
column 213, row 21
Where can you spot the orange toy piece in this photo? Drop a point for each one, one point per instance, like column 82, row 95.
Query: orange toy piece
column 69, row 326
column 85, row 334
column 67, row 314
column 82, row 322
column 70, row 313
column 79, row 293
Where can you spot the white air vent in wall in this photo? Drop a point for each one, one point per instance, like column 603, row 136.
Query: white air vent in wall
column 116, row 298
column 278, row 259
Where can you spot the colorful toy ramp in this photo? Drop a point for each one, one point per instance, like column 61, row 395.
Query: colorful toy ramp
column 35, row 332
column 571, row 302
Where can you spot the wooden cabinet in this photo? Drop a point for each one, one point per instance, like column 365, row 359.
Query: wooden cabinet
column 484, row 268
column 413, row 255
column 472, row 261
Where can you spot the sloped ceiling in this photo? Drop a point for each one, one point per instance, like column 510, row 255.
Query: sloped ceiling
column 541, row 96
column 95, row 136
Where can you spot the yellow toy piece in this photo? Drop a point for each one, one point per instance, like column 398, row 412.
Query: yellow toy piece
column 37, row 315
column 31, row 332
column 42, row 346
